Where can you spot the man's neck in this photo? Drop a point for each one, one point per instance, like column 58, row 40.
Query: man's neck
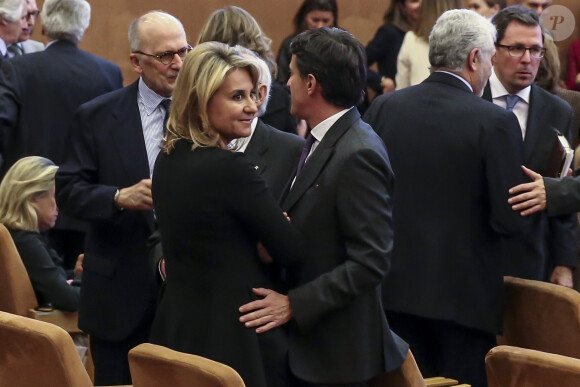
column 322, row 112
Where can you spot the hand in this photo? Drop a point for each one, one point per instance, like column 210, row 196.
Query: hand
column 136, row 197
column 79, row 265
column 533, row 196
column 263, row 254
column 162, row 269
column 562, row 275
column 270, row 312
column 387, row 84
column 287, row 216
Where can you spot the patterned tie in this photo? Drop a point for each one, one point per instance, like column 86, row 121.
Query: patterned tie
column 510, row 102
column 166, row 104
column 305, row 151
column 15, row 49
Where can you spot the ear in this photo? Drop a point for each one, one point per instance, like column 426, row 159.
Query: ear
column 473, row 59
column 496, row 8
column 311, row 84
column 135, row 63
column 262, row 93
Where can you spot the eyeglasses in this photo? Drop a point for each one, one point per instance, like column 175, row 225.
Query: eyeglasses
column 167, row 56
column 520, row 51
column 32, row 14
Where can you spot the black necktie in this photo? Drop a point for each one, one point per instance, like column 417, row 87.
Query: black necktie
column 15, row 49
column 166, row 104
column 305, row 151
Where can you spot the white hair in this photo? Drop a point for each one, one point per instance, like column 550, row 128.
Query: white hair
column 265, row 76
column 65, row 19
column 11, row 10
column 455, row 34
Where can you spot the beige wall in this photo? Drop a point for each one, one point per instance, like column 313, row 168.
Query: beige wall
column 107, row 35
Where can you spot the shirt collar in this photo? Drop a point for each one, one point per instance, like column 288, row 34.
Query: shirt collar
column 458, row 77
column 3, row 48
column 320, row 130
column 498, row 90
column 149, row 98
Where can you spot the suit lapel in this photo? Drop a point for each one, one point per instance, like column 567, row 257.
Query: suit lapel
column 257, row 147
column 535, row 124
column 318, row 159
column 127, row 138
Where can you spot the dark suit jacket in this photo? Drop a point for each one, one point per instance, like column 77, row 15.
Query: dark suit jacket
column 563, row 195
column 454, row 162
column 554, row 243
column 108, row 152
column 275, row 155
column 46, row 271
column 341, row 202
column 277, row 113
column 212, row 209
column 39, row 93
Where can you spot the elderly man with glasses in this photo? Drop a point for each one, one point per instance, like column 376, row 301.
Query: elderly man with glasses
column 550, row 252
column 106, row 182
column 26, row 45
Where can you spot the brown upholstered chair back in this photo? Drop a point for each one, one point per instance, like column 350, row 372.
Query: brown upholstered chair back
column 16, row 293
column 154, row 365
column 541, row 316
column 515, row 367
column 35, row 353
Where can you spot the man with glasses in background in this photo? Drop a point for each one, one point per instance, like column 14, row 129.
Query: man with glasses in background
column 106, row 181
column 550, row 253
column 26, row 45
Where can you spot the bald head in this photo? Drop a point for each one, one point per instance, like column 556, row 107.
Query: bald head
column 153, row 26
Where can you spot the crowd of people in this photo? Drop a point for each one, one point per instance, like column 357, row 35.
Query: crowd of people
column 301, row 218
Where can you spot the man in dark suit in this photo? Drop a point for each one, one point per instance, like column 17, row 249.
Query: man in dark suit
column 39, row 94
column 341, row 202
column 551, row 253
column 106, row 181
column 455, row 156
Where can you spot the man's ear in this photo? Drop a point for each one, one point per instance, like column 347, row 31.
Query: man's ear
column 311, row 84
column 473, row 59
column 135, row 63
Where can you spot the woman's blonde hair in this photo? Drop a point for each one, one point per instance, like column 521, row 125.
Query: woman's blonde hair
column 203, row 72
column 28, row 178
column 429, row 13
column 234, row 26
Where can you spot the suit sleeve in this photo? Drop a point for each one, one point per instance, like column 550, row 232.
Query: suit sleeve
column 563, row 228
column 364, row 207
column 48, row 280
column 78, row 192
column 253, row 203
column 563, row 196
column 9, row 103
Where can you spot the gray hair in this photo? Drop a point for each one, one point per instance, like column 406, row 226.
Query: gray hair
column 265, row 77
column 11, row 10
column 455, row 34
column 135, row 35
column 65, row 19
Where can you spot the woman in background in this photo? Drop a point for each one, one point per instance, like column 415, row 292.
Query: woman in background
column 235, row 26
column 27, row 208
column 413, row 60
column 213, row 209
column 401, row 16
column 311, row 14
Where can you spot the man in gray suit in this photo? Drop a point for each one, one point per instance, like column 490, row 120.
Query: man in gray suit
column 341, row 202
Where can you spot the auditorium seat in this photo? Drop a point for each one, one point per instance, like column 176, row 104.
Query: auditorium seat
column 153, row 365
column 514, row 367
